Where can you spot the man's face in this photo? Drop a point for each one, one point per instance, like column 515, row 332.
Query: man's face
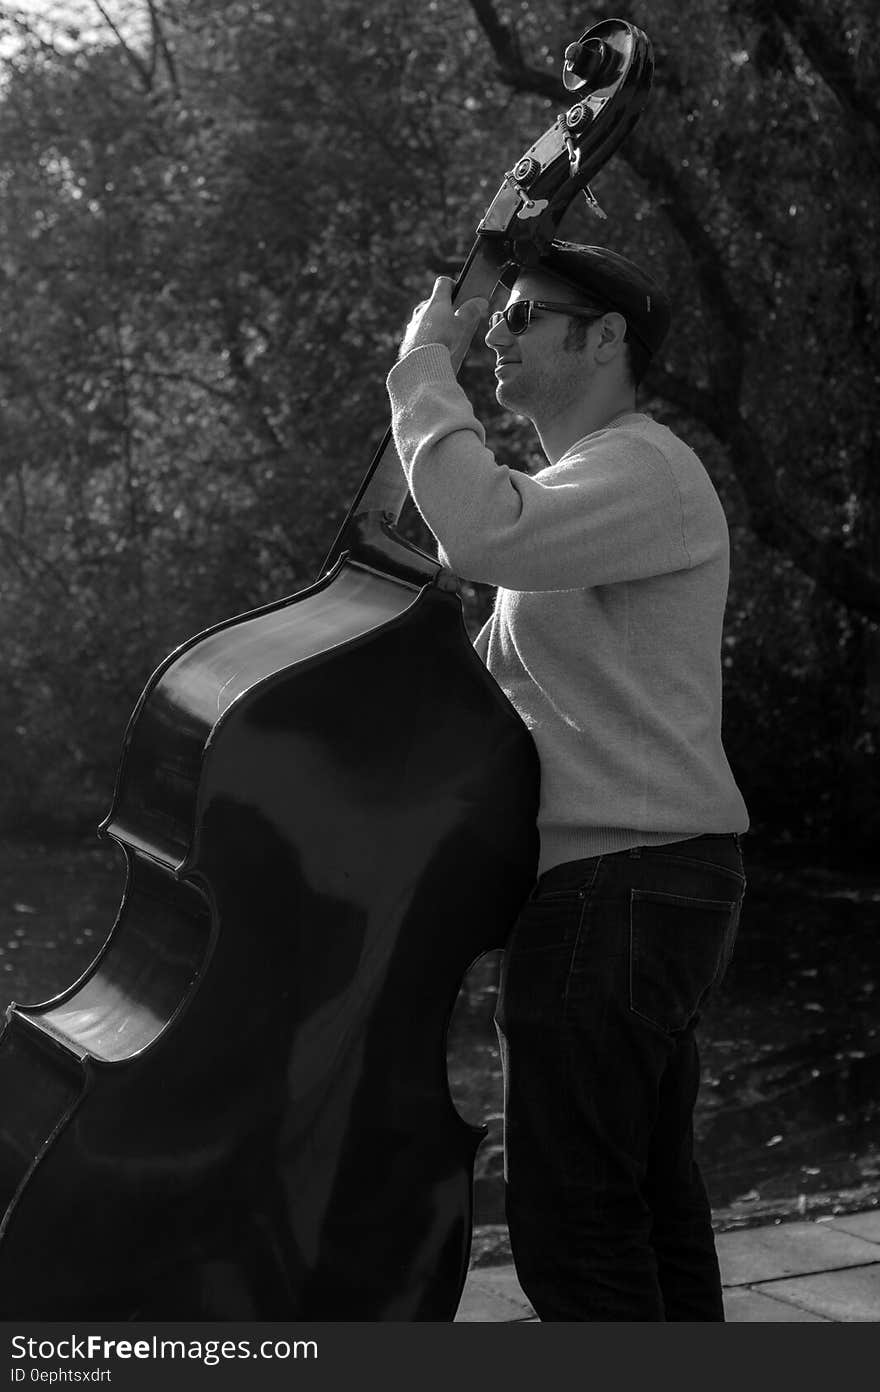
column 536, row 375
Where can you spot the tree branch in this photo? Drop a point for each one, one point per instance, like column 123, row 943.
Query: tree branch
column 512, row 67
column 241, row 372
column 136, row 63
column 160, row 44
column 189, row 378
column 828, row 54
column 17, row 548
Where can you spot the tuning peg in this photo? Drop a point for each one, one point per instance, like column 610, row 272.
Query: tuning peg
column 587, row 61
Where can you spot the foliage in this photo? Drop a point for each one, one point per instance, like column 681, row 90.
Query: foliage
column 215, row 219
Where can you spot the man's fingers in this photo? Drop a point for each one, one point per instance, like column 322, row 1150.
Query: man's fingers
column 442, row 290
column 473, row 310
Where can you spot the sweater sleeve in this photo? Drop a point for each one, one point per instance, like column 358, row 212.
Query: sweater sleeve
column 609, row 511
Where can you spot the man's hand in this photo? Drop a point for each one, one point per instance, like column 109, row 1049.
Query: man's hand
column 435, row 321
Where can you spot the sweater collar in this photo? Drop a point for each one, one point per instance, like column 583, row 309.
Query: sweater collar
column 622, row 418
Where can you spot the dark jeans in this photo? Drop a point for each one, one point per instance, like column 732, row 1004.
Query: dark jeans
column 606, row 970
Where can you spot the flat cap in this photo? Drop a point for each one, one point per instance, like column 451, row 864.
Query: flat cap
column 613, row 282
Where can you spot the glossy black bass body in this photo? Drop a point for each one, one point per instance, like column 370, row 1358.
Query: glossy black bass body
column 251, row 1080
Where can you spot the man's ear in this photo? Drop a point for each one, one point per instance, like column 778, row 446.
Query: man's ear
column 612, row 336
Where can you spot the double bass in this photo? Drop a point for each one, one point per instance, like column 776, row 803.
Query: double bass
column 327, row 810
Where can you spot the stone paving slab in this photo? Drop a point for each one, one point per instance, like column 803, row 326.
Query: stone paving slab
column 788, row 1249
column 493, row 1293
column 847, row 1297
column 493, row 1296
column 824, row 1270
column 742, row 1305
column 866, row 1225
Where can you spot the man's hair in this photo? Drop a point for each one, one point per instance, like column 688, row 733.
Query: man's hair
column 638, row 357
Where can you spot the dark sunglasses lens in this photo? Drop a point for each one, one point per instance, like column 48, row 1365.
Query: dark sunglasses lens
column 517, row 316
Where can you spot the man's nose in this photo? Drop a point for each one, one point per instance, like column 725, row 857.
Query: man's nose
column 499, row 334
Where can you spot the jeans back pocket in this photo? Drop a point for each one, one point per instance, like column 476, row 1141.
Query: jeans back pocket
column 679, row 948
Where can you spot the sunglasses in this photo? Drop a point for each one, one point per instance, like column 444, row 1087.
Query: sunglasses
column 518, row 316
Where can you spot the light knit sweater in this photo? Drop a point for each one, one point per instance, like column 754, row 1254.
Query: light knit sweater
column 612, row 571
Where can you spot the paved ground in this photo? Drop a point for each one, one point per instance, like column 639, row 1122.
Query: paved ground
column 827, row 1269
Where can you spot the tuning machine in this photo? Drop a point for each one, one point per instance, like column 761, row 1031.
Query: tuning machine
column 589, row 63
column 521, row 177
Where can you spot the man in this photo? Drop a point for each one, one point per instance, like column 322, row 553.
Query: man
column 612, row 566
